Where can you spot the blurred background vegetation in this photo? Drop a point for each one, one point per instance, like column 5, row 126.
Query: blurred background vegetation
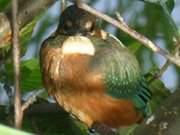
column 150, row 19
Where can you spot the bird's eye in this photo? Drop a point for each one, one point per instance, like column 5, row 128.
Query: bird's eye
column 68, row 24
column 88, row 25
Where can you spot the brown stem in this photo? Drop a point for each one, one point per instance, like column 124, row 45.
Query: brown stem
column 63, row 5
column 16, row 63
column 160, row 72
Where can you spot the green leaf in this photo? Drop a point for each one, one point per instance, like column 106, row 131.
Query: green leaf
column 160, row 93
column 3, row 4
column 30, row 74
column 156, row 1
column 158, row 89
column 128, row 130
column 4, row 130
column 170, row 5
column 134, row 47
column 26, row 31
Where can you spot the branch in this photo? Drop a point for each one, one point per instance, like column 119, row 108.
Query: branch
column 16, row 63
column 124, row 27
column 32, row 99
column 44, row 108
column 28, row 10
column 160, row 72
column 176, row 41
column 165, row 121
column 63, row 5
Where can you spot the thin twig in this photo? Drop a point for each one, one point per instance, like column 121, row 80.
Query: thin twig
column 16, row 63
column 177, row 51
column 160, row 72
column 63, row 5
column 32, row 99
column 121, row 20
column 142, row 39
column 176, row 40
column 163, row 69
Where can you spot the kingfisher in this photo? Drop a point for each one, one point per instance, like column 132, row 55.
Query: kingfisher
column 91, row 74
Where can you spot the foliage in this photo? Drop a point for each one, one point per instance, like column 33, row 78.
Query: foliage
column 31, row 75
column 168, row 3
column 61, row 124
column 4, row 4
column 9, row 131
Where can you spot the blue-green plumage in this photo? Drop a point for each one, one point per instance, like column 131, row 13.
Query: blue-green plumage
column 121, row 72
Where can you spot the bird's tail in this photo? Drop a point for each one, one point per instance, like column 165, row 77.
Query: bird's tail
column 143, row 97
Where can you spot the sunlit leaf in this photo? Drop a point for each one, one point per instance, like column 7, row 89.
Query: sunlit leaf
column 4, row 130
column 134, row 47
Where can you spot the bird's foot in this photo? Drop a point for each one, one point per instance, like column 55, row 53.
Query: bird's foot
column 101, row 129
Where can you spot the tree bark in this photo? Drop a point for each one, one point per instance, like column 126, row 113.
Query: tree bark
column 165, row 121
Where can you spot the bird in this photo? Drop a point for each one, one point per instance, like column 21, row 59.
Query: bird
column 92, row 74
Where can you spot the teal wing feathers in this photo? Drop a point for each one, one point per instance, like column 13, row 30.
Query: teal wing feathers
column 121, row 72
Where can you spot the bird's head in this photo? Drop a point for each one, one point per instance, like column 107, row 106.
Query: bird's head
column 75, row 21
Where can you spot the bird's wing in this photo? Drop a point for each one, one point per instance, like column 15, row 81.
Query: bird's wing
column 50, row 58
column 120, row 70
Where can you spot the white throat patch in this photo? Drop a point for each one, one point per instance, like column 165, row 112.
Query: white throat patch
column 78, row 44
